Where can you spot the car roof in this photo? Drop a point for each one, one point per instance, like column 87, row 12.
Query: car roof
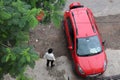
column 82, row 22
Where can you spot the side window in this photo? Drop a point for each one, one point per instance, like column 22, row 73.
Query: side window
column 70, row 30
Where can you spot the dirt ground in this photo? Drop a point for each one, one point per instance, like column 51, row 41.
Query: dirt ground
column 109, row 28
column 46, row 36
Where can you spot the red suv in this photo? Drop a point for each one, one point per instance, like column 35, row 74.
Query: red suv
column 84, row 41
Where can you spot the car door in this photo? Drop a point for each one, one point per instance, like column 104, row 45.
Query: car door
column 67, row 31
column 71, row 33
column 72, row 38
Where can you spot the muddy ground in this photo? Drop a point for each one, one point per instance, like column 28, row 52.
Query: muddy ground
column 46, row 36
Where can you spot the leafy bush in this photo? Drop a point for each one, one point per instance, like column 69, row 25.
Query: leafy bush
column 52, row 9
column 16, row 19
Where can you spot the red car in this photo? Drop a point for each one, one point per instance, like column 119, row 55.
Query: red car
column 84, row 41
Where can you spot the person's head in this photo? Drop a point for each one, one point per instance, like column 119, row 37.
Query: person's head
column 50, row 50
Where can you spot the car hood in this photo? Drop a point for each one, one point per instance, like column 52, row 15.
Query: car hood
column 92, row 64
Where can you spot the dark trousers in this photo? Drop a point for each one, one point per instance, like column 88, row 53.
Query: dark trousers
column 48, row 61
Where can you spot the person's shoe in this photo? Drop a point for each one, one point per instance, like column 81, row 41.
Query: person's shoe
column 53, row 65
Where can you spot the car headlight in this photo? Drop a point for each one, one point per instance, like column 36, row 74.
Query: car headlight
column 80, row 70
column 105, row 65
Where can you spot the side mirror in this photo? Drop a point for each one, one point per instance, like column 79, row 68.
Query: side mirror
column 67, row 12
column 103, row 43
column 70, row 47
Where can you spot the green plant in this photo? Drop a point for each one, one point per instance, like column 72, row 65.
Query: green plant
column 16, row 19
column 52, row 10
column 16, row 60
column 23, row 77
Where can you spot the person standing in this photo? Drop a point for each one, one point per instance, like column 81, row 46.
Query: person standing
column 50, row 57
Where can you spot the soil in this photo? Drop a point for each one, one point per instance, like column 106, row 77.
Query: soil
column 109, row 28
column 49, row 36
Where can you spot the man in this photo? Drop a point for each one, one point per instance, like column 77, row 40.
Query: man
column 50, row 57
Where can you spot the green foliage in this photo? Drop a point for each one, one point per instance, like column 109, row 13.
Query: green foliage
column 23, row 77
column 16, row 19
column 51, row 8
column 15, row 22
column 16, row 60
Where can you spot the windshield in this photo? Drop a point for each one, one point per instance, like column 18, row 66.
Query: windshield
column 88, row 46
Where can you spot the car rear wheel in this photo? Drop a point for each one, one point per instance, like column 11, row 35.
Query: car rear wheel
column 73, row 68
column 62, row 25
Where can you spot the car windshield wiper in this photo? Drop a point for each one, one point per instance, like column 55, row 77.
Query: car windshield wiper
column 98, row 52
column 90, row 54
column 86, row 54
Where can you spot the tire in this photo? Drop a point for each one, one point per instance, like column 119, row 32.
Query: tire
column 73, row 68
